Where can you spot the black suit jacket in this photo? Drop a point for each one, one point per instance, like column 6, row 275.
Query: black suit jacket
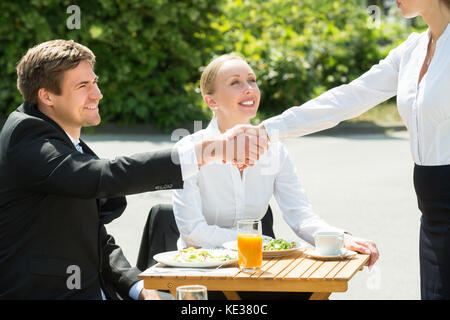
column 54, row 202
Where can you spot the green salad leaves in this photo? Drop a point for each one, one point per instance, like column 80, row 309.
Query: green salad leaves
column 199, row 255
column 279, row 244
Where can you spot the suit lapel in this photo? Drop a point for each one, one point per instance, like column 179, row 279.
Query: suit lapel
column 87, row 150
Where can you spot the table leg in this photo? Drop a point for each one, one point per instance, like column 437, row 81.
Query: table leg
column 231, row 295
column 320, row 296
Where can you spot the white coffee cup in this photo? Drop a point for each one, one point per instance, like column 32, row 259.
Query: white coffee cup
column 329, row 243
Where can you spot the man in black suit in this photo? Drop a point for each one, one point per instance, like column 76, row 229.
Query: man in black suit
column 56, row 195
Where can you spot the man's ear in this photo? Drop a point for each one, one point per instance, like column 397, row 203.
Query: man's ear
column 210, row 102
column 45, row 97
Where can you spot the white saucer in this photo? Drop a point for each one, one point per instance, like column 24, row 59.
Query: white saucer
column 345, row 253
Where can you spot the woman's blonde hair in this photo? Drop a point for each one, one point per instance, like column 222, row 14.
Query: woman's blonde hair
column 209, row 74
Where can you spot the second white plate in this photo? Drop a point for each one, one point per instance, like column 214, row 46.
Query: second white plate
column 232, row 245
column 345, row 253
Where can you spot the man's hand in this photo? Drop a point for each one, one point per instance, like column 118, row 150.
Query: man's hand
column 147, row 294
column 256, row 132
column 249, row 142
column 242, row 145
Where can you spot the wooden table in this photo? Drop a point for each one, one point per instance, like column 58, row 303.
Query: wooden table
column 293, row 273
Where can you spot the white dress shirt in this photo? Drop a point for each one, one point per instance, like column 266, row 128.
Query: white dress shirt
column 210, row 204
column 425, row 109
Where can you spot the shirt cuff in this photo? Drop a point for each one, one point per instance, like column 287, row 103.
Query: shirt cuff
column 136, row 289
column 274, row 127
column 188, row 159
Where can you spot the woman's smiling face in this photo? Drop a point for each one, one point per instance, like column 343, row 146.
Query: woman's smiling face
column 236, row 95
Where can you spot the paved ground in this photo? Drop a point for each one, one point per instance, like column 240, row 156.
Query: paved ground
column 362, row 183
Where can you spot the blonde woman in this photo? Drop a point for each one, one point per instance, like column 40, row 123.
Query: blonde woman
column 418, row 72
column 210, row 204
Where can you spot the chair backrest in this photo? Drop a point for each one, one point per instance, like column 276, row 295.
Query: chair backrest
column 160, row 235
column 267, row 223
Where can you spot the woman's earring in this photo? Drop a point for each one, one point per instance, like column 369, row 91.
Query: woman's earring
column 215, row 108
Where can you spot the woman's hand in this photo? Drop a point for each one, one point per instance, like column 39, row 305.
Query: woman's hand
column 362, row 246
column 242, row 145
column 260, row 139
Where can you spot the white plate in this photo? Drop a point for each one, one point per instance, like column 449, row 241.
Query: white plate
column 345, row 253
column 280, row 253
column 232, row 245
column 167, row 259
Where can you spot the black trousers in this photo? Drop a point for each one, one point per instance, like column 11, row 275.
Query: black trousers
column 161, row 234
column 432, row 185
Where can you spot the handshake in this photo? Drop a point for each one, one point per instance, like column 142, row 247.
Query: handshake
column 242, row 146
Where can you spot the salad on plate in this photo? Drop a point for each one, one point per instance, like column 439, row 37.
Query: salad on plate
column 278, row 244
column 271, row 247
column 201, row 255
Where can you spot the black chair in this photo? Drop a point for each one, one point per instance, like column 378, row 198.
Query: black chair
column 161, row 234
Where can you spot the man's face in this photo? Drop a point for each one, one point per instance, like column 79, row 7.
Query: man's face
column 77, row 106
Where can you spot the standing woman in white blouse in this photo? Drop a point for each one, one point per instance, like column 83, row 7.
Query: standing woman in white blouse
column 210, row 204
column 418, row 72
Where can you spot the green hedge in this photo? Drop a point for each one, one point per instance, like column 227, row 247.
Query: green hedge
column 150, row 53
column 299, row 49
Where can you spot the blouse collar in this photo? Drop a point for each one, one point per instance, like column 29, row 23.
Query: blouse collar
column 443, row 35
column 213, row 127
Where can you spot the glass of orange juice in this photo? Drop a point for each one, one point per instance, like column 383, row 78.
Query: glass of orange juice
column 249, row 245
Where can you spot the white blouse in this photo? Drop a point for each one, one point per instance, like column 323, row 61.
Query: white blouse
column 210, row 204
column 425, row 109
